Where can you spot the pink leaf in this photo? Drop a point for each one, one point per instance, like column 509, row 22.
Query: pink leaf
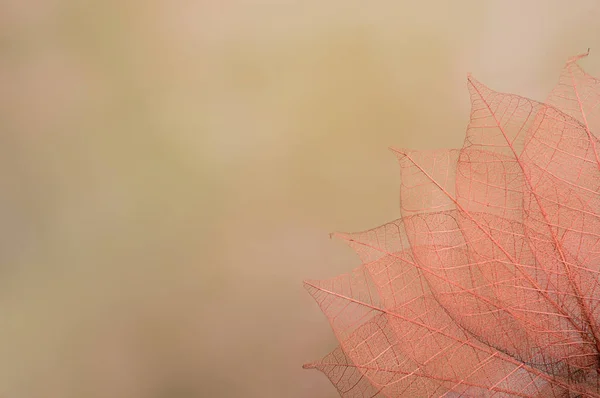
column 488, row 284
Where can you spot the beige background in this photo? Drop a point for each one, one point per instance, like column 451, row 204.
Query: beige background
column 170, row 170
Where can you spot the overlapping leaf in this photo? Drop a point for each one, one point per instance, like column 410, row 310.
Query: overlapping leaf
column 488, row 284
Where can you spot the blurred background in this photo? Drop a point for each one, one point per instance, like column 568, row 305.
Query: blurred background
column 170, row 171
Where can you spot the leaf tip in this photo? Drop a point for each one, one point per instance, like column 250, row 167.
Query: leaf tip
column 308, row 283
column 400, row 153
column 471, row 81
column 579, row 56
column 340, row 235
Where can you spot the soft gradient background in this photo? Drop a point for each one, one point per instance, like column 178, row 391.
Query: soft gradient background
column 170, row 170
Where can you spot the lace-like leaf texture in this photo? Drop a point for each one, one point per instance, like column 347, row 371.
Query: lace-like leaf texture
column 488, row 283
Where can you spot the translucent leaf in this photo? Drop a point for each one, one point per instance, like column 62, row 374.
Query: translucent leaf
column 488, row 284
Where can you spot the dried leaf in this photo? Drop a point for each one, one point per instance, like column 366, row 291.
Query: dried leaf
column 488, row 284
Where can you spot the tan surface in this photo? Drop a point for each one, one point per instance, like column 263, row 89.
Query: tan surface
column 170, row 171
